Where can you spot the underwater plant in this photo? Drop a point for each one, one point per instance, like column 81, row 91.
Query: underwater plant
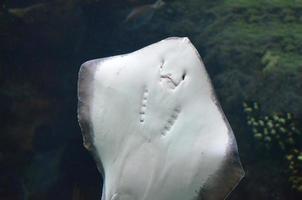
column 278, row 132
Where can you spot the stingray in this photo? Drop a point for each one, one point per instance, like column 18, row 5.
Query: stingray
column 155, row 127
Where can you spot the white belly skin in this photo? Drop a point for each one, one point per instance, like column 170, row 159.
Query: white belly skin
column 155, row 127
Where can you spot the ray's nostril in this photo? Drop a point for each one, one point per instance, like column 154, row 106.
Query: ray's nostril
column 184, row 76
column 162, row 64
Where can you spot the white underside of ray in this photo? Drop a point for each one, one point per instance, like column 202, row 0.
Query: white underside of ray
column 156, row 127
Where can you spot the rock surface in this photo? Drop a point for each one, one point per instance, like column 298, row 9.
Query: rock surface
column 155, row 127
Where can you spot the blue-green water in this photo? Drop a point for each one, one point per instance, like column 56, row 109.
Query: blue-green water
column 252, row 50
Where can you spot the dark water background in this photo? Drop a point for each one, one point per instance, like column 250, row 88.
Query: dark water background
column 252, row 50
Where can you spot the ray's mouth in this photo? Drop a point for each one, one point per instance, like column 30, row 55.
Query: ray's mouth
column 169, row 79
